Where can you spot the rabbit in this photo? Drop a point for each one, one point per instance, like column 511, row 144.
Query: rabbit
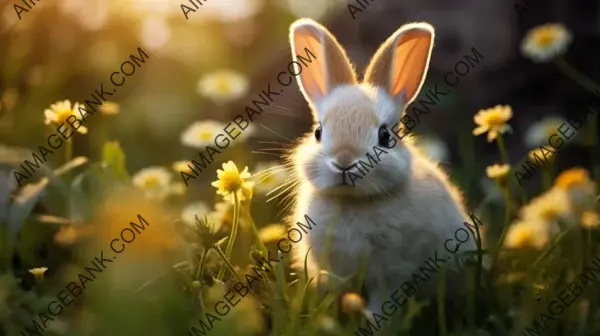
column 404, row 208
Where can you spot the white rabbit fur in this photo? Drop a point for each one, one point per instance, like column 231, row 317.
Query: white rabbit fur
column 404, row 208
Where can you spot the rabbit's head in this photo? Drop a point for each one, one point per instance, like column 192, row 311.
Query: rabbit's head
column 350, row 117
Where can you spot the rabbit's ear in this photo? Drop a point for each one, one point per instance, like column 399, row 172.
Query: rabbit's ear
column 327, row 66
column 401, row 62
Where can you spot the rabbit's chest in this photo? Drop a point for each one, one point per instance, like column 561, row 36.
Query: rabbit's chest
column 350, row 237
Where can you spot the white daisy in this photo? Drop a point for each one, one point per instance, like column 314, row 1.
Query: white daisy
column 244, row 134
column 545, row 42
column 433, row 147
column 154, row 181
column 271, row 179
column 201, row 133
column 59, row 112
column 191, row 210
column 223, row 86
column 538, row 133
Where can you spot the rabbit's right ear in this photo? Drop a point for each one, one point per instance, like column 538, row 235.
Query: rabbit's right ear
column 400, row 64
column 328, row 65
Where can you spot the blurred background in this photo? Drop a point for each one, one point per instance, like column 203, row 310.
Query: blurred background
column 201, row 72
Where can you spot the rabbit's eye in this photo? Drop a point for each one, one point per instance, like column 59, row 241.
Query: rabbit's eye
column 384, row 136
column 318, row 133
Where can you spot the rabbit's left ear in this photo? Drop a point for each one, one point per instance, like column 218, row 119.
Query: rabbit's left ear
column 401, row 62
column 329, row 65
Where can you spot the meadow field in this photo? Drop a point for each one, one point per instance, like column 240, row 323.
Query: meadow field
column 148, row 175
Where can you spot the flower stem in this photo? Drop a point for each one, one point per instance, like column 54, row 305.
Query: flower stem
column 69, row 150
column 506, row 226
column 234, row 228
column 202, row 263
column 503, row 153
column 577, row 76
column 247, row 217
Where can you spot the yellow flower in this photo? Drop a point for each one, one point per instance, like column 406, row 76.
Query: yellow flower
column 543, row 156
column 110, row 108
column 183, row 166
column 177, row 188
column 571, row 178
column 202, row 133
column 67, row 235
column 38, row 272
column 524, row 234
column 271, row 233
column 60, row 111
column 581, row 190
column 539, row 133
column 493, row 121
column 549, row 208
column 590, row 219
column 189, row 212
column 352, row 304
column 268, row 176
column 498, row 173
column 231, row 182
column 223, row 86
column 154, row 181
column 10, row 98
column 543, row 43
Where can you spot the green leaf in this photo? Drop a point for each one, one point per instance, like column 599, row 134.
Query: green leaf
column 30, row 194
column 113, row 158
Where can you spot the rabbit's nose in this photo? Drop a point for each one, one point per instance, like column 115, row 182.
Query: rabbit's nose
column 342, row 162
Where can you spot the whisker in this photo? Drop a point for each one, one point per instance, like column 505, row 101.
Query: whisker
column 264, row 153
column 283, row 185
column 275, row 143
column 270, row 169
column 283, row 114
column 291, row 185
column 270, row 130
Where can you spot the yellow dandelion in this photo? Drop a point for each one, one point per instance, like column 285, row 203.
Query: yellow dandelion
column 38, row 272
column 523, row 234
column 540, row 156
column 268, row 176
column 154, row 181
column 493, row 121
column 580, row 188
column 189, row 212
column 110, row 108
column 183, row 166
column 572, row 177
column 231, row 182
column 202, row 133
column 550, row 207
column 545, row 42
column 590, row 219
column 538, row 133
column 223, row 86
column 60, row 111
column 67, row 235
column 271, row 233
column 498, row 173
column 352, row 304
column 10, row 98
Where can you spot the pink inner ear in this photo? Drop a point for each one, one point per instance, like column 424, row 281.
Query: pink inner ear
column 314, row 77
column 410, row 61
